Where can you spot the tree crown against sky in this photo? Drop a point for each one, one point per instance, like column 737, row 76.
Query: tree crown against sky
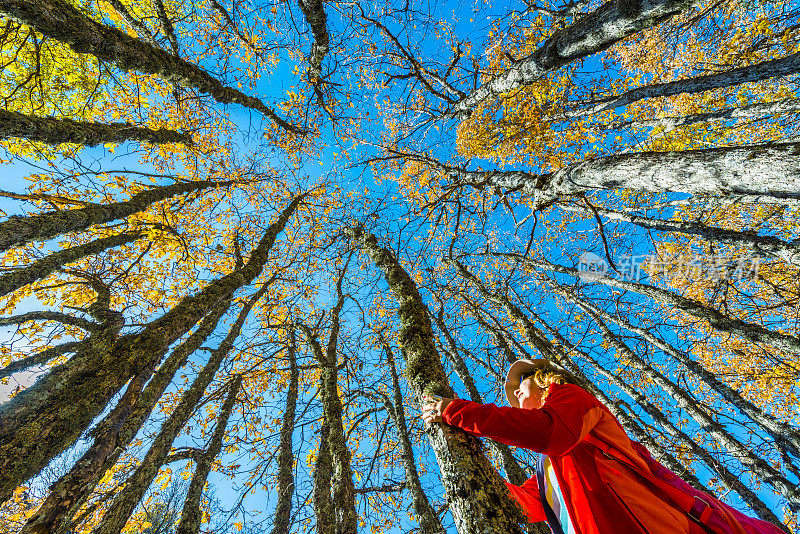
column 247, row 237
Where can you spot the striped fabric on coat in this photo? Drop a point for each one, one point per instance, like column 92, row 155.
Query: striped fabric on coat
column 555, row 498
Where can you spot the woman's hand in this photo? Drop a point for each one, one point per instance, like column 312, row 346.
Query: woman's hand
column 434, row 407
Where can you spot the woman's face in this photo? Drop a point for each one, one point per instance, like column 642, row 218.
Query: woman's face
column 529, row 395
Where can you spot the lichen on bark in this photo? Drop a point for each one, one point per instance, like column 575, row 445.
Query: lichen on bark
column 55, row 131
column 478, row 499
column 18, row 230
column 63, row 22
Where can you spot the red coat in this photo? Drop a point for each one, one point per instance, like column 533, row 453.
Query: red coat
column 603, row 495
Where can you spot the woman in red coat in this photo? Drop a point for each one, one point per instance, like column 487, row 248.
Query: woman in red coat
column 594, row 479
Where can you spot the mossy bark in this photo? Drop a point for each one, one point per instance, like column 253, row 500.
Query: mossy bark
column 283, row 510
column 429, row 522
column 479, row 500
column 113, row 434
column 18, row 230
column 516, row 475
column 324, row 513
column 324, row 506
column 39, row 269
column 61, row 21
column 56, row 131
column 39, row 358
column 57, row 408
column 341, row 491
column 191, row 517
column 136, row 485
column 44, row 419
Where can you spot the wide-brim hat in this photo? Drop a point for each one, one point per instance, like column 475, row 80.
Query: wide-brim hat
column 517, row 369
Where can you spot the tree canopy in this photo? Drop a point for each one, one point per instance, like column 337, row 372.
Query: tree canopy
column 242, row 240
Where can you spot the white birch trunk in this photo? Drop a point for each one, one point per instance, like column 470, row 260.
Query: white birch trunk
column 753, row 73
column 724, row 323
column 761, row 244
column 749, row 112
column 753, row 172
column 589, row 35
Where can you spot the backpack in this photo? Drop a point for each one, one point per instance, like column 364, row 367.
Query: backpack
column 711, row 513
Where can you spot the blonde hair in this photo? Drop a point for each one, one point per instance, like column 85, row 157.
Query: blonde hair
column 547, row 374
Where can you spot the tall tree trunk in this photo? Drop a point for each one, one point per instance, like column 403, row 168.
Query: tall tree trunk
column 478, row 499
column 754, row 172
column 283, row 509
column 247, row 41
column 501, row 334
column 589, row 35
column 18, row 230
column 535, row 336
column 342, row 491
column 142, row 32
column 761, row 244
column 44, row 419
column 61, row 21
column 136, row 485
column 166, row 26
column 60, row 405
column 753, row 73
column 723, row 323
column 324, row 511
column 498, row 337
column 39, row 269
column 750, row 111
column 324, row 506
column 516, row 475
column 191, row 517
column 429, row 522
column 39, row 358
column 56, row 131
column 113, row 434
column 314, row 12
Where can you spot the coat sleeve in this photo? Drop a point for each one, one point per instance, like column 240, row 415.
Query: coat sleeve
column 569, row 413
column 527, row 495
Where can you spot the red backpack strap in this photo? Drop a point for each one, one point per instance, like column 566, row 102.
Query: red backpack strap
column 698, row 509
